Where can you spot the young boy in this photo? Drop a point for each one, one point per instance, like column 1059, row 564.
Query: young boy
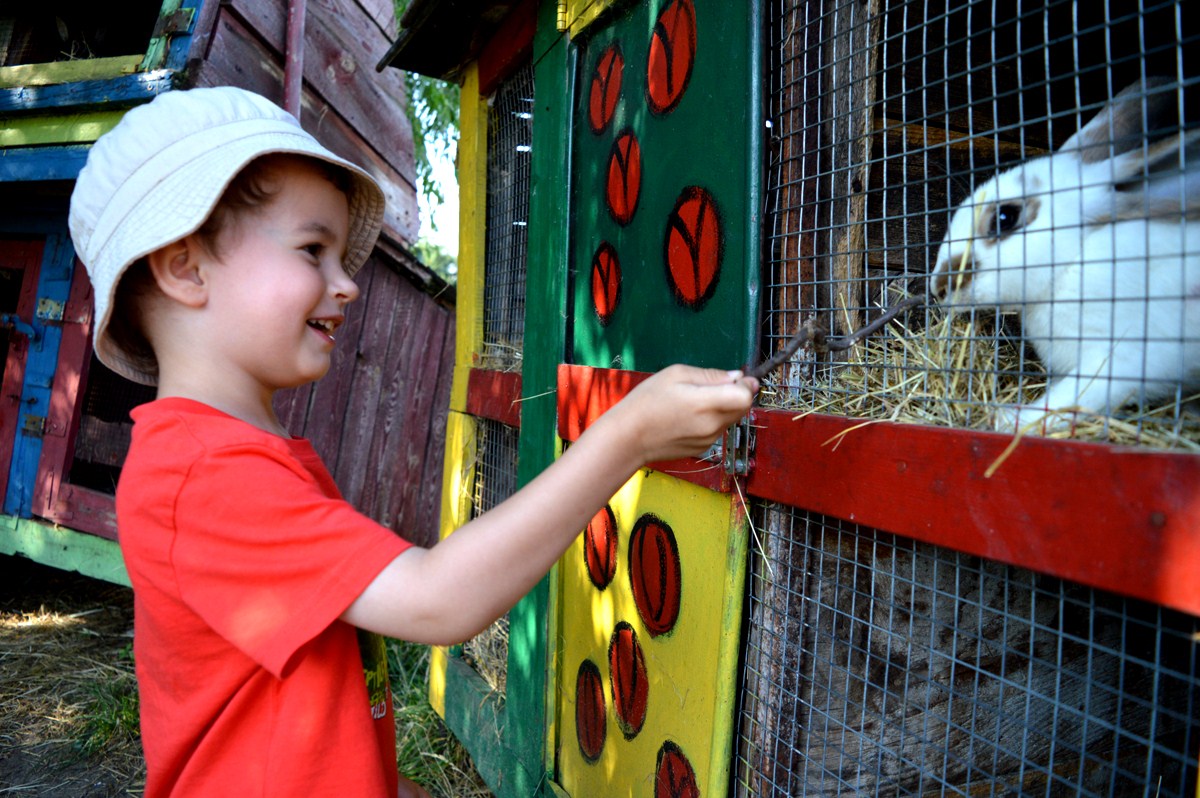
column 221, row 240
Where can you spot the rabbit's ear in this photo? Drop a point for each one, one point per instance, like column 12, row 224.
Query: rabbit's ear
column 1160, row 179
column 1136, row 111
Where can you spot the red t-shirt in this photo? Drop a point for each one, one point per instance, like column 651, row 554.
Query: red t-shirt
column 242, row 555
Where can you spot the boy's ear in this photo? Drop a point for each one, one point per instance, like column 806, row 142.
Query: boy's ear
column 176, row 269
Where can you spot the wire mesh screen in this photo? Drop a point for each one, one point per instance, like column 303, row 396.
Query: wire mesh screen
column 1029, row 171
column 510, row 146
column 880, row 666
column 495, row 481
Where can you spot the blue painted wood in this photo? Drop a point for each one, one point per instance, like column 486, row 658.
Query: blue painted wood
column 54, row 285
column 127, row 90
column 177, row 53
column 42, row 163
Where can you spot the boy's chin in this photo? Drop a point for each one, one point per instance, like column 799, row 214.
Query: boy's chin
column 304, row 378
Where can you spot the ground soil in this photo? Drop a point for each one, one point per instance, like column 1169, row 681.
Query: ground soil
column 65, row 668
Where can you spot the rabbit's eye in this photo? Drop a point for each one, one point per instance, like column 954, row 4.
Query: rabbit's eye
column 1008, row 218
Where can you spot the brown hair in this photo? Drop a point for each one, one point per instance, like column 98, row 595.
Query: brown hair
column 249, row 191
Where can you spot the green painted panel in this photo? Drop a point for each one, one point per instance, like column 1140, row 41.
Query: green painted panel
column 526, row 716
column 683, row 229
column 476, row 715
column 63, row 548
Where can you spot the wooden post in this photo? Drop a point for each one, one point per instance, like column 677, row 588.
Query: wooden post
column 293, row 65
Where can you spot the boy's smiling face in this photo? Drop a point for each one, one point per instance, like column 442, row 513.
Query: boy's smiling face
column 278, row 290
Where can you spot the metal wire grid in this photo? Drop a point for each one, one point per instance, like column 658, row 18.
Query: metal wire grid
column 875, row 665
column 495, row 481
column 496, row 467
column 884, row 115
column 510, row 148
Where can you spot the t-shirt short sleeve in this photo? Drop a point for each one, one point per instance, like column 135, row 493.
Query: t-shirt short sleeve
column 265, row 557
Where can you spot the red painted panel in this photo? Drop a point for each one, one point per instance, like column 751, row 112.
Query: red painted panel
column 26, row 255
column 88, row 511
column 508, row 47
column 584, row 393
column 495, row 395
column 1126, row 520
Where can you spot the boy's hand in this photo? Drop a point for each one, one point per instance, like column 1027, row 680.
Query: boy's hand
column 681, row 410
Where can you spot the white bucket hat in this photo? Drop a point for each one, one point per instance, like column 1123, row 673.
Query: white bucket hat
column 155, row 178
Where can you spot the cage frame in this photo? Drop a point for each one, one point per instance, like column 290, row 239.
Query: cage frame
column 815, row 461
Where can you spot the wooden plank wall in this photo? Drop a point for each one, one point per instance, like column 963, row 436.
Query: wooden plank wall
column 378, row 418
column 352, row 109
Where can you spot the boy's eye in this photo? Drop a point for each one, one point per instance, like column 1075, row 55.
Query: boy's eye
column 314, row 249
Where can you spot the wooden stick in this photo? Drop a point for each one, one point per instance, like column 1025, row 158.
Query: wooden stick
column 812, row 333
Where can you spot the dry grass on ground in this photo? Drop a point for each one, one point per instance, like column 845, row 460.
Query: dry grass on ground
column 68, row 723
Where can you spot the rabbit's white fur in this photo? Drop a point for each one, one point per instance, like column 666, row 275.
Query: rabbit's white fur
column 1097, row 246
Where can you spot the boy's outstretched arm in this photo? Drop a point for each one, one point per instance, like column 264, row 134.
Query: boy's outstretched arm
column 452, row 591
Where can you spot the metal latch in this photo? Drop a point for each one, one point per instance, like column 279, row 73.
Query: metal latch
column 49, row 309
column 15, row 323
column 733, row 449
column 32, row 425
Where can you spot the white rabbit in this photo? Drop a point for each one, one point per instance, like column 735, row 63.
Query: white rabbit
column 1097, row 246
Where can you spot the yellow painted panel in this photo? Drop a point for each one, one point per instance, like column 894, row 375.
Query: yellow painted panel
column 575, row 15
column 472, row 203
column 437, row 679
column 458, row 479
column 458, row 476
column 72, row 129
column 12, row 77
column 690, row 670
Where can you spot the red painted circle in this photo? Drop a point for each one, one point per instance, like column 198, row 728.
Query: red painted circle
column 672, row 56
column 624, row 182
column 693, row 247
column 606, row 282
column 591, row 720
column 673, row 776
column 655, row 574
column 600, row 547
column 627, row 671
column 605, row 88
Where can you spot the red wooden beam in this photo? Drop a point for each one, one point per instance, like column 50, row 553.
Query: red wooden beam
column 495, row 395
column 1120, row 519
column 1115, row 518
column 511, row 44
column 584, row 393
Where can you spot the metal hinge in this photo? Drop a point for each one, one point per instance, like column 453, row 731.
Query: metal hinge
column 734, row 450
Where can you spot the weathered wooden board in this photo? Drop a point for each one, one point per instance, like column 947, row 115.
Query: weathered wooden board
column 237, row 57
column 340, row 50
column 383, row 13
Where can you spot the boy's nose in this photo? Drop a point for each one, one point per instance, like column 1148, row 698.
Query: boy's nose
column 343, row 287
